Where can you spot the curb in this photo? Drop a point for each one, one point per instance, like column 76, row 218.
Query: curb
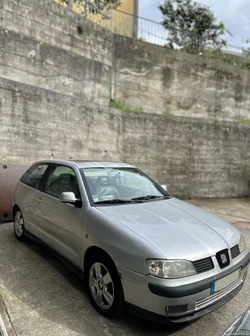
column 6, row 327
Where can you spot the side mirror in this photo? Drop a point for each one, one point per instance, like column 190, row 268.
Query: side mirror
column 68, row 197
column 164, row 187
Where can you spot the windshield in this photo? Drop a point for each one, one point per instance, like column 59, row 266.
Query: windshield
column 121, row 185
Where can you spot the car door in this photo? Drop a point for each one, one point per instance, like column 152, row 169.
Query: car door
column 60, row 225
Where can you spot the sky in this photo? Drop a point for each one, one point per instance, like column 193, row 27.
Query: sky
column 235, row 14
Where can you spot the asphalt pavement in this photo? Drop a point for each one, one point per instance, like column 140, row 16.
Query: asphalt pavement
column 40, row 296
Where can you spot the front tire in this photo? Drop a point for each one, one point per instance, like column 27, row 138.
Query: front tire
column 104, row 286
column 19, row 228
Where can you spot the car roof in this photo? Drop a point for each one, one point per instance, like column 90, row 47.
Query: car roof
column 90, row 164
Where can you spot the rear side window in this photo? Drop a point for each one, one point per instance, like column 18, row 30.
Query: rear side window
column 34, row 175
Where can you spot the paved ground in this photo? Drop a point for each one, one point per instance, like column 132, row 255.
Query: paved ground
column 41, row 297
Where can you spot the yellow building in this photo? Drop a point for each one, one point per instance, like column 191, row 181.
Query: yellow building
column 125, row 18
column 122, row 21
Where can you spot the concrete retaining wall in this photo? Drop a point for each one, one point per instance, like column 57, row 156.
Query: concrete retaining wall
column 174, row 82
column 50, row 77
column 194, row 157
column 41, row 46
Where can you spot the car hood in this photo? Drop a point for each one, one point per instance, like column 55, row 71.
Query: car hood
column 177, row 229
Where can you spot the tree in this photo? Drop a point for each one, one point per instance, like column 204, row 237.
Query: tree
column 192, row 25
column 86, row 7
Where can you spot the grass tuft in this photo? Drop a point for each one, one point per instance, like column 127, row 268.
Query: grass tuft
column 244, row 121
column 118, row 104
column 167, row 113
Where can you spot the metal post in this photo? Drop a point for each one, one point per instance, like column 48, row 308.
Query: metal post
column 113, row 65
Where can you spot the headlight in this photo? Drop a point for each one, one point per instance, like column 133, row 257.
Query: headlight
column 242, row 244
column 170, row 269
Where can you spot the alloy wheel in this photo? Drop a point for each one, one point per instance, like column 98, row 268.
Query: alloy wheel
column 101, row 285
column 19, row 224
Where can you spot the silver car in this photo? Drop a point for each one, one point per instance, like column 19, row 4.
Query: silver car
column 137, row 247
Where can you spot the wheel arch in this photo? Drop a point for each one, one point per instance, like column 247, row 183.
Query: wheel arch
column 15, row 209
column 92, row 250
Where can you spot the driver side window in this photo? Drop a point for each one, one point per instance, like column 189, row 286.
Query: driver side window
column 62, row 179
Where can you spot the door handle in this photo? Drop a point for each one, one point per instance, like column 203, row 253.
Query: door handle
column 39, row 200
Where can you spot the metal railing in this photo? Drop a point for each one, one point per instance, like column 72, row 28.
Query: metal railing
column 126, row 24
column 155, row 33
column 141, row 28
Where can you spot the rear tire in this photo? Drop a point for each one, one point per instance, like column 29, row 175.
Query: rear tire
column 19, row 228
column 104, row 286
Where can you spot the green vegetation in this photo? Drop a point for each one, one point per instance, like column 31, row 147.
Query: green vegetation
column 167, row 113
column 244, row 121
column 229, row 59
column 192, row 25
column 246, row 64
column 123, row 107
column 93, row 7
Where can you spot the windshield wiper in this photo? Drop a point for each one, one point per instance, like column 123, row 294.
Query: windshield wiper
column 150, row 197
column 133, row 200
column 115, row 201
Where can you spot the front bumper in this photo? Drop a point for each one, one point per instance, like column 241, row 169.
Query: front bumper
column 152, row 298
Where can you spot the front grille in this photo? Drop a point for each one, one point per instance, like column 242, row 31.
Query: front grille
column 200, row 304
column 235, row 251
column 203, row 265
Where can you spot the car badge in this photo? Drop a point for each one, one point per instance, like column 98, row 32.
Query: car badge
column 223, row 258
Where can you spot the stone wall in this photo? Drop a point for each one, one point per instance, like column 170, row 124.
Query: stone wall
column 194, row 157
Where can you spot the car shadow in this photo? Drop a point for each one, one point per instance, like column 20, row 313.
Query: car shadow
column 57, row 295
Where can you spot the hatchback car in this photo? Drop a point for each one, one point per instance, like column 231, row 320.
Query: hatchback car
column 137, row 247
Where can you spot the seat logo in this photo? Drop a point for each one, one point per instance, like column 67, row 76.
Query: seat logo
column 223, row 258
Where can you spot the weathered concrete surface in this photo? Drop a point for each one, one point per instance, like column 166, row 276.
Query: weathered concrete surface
column 174, row 82
column 37, row 124
column 43, row 298
column 194, row 157
column 40, row 46
column 49, row 23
